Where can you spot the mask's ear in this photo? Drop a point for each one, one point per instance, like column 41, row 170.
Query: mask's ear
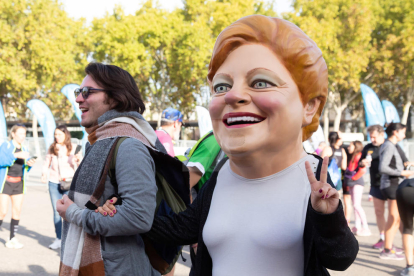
column 310, row 109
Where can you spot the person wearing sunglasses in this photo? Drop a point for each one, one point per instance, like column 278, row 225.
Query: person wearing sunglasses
column 112, row 107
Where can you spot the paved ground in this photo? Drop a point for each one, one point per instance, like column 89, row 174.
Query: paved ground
column 36, row 232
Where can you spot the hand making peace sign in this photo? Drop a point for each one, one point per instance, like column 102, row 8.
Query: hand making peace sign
column 324, row 198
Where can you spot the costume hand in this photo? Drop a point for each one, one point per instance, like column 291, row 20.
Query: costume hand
column 108, row 208
column 62, row 205
column 324, row 198
column 21, row 155
column 43, row 178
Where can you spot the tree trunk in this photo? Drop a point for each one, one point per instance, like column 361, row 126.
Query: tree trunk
column 406, row 112
column 338, row 116
column 36, row 138
column 159, row 118
column 326, row 123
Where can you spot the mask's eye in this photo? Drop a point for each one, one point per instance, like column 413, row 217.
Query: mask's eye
column 261, row 84
column 222, row 87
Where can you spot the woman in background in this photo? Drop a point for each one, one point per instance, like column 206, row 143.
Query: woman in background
column 61, row 163
column 392, row 172
column 354, row 180
column 14, row 164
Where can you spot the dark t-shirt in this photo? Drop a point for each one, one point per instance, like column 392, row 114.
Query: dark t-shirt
column 374, row 169
column 17, row 168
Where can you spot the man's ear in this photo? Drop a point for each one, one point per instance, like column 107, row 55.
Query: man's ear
column 310, row 109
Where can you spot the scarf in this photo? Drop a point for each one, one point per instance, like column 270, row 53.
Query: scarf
column 81, row 252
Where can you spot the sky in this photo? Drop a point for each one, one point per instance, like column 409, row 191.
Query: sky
column 97, row 8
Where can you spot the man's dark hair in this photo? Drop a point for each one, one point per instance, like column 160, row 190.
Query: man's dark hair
column 119, row 86
column 377, row 128
column 166, row 122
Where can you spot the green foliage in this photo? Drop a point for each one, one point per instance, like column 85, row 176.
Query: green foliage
column 342, row 30
column 391, row 66
column 41, row 49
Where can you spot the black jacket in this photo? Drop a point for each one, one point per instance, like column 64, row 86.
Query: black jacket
column 328, row 241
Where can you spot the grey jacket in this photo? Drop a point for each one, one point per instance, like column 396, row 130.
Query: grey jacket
column 123, row 250
column 390, row 165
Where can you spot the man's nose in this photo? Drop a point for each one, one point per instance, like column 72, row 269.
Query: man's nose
column 79, row 98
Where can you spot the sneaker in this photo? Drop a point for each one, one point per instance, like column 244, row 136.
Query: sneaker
column 379, row 245
column 56, row 244
column 14, row 243
column 408, row 271
column 397, row 249
column 392, row 255
column 363, row 232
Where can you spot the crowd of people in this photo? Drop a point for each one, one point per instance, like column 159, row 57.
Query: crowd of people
column 389, row 176
column 126, row 205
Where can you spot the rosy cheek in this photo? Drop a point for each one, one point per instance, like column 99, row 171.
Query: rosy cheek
column 216, row 107
column 268, row 103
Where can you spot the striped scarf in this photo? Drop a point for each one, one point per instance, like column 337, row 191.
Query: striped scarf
column 81, row 252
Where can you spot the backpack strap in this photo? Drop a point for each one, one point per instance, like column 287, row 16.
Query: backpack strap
column 97, row 194
column 112, row 171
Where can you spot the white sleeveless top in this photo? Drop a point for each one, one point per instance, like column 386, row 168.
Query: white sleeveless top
column 255, row 226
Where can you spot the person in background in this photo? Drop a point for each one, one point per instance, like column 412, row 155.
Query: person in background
column 337, row 152
column 171, row 122
column 392, row 172
column 14, row 165
column 405, row 202
column 61, row 162
column 320, row 148
column 370, row 159
column 353, row 179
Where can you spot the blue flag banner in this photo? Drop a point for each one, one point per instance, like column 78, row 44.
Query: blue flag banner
column 68, row 90
column 391, row 114
column 3, row 126
column 45, row 118
column 374, row 113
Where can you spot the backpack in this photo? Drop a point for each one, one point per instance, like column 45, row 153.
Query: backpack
column 172, row 197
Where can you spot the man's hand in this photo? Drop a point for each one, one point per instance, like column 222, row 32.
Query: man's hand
column 108, row 208
column 62, row 205
column 407, row 173
column 21, row 155
column 31, row 162
column 43, row 178
column 364, row 163
column 324, row 198
column 77, row 158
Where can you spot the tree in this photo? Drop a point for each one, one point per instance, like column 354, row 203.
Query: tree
column 41, row 49
column 391, row 68
column 166, row 55
column 342, row 30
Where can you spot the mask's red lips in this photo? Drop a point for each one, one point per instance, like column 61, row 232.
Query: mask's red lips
column 241, row 119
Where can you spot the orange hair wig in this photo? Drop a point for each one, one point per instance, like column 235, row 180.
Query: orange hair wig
column 299, row 54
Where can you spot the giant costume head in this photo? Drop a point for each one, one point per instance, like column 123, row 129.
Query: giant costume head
column 261, row 66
